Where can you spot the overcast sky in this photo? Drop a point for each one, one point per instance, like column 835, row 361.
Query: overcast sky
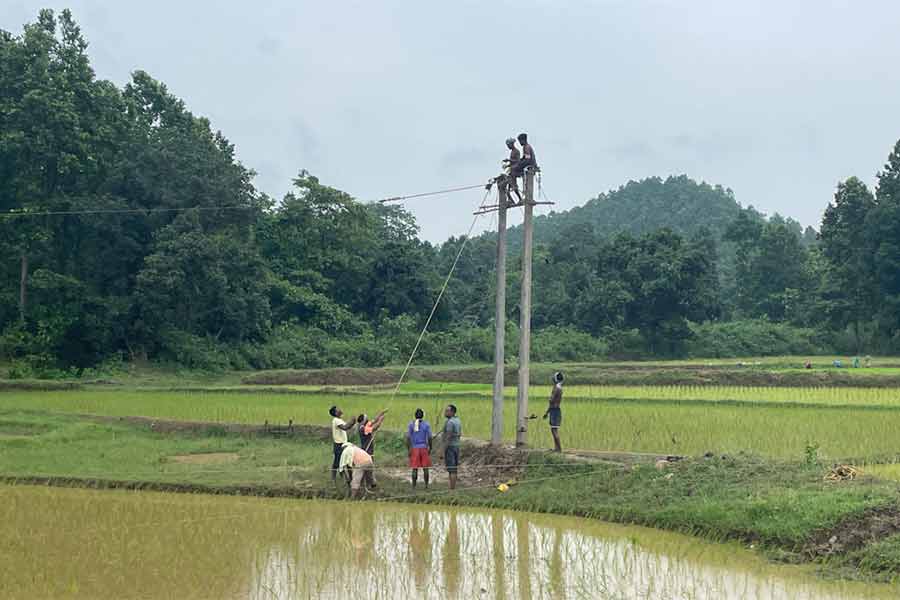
column 777, row 100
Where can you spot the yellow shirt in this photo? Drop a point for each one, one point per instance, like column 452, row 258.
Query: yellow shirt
column 337, row 434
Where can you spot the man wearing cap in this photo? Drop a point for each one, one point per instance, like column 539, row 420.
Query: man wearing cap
column 554, row 411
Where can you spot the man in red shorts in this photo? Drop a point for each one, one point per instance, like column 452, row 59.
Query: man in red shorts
column 418, row 442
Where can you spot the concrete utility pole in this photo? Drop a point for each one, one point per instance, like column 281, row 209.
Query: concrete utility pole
column 525, row 313
column 504, row 202
column 499, row 319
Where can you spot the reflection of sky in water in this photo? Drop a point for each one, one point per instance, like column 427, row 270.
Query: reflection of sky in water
column 88, row 544
column 440, row 554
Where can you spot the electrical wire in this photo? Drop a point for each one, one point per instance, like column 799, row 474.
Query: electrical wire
column 122, row 211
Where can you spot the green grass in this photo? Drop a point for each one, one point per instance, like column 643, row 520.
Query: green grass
column 71, row 447
column 890, row 471
column 781, row 504
column 662, row 425
column 879, row 560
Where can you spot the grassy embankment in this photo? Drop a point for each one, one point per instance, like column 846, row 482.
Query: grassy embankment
column 785, row 371
column 784, row 507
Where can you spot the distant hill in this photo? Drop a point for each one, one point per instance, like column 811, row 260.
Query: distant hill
column 677, row 202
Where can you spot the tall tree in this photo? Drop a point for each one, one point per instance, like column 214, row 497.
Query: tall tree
column 849, row 285
column 883, row 234
column 770, row 265
column 202, row 283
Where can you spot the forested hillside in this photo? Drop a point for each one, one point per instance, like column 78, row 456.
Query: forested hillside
column 131, row 232
column 679, row 203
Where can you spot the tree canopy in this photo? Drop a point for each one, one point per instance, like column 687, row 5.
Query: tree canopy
column 160, row 247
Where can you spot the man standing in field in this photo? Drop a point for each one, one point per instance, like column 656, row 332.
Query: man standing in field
column 418, row 443
column 554, row 411
column 452, row 432
column 339, row 429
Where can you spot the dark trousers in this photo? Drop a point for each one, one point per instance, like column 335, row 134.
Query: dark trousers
column 338, row 450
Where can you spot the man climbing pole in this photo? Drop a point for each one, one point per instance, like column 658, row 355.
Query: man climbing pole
column 509, row 164
column 554, row 411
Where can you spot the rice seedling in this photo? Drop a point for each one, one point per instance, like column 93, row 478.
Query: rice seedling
column 772, row 422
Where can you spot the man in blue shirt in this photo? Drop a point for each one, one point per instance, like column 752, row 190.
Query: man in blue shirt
column 418, row 442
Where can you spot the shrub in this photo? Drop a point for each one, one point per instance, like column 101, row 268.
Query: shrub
column 755, row 337
column 201, row 353
column 556, row 344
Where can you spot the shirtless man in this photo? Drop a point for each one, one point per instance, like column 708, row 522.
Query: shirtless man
column 554, row 411
column 528, row 158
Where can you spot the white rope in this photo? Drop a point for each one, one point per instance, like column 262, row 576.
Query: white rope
column 438, row 300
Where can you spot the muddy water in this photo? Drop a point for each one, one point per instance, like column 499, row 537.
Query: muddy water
column 115, row 544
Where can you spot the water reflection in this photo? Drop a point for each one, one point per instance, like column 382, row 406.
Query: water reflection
column 522, row 558
column 498, row 556
column 157, row 545
column 420, row 548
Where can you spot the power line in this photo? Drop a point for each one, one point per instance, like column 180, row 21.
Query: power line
column 117, row 211
column 435, row 193
column 121, row 211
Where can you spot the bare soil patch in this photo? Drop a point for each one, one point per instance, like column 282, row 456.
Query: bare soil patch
column 701, row 375
column 210, row 427
column 18, row 429
column 481, row 465
column 37, row 385
column 322, row 377
column 857, row 531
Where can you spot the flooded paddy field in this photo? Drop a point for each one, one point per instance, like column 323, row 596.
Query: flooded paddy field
column 118, row 544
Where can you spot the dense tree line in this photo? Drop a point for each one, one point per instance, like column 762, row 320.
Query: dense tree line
column 158, row 246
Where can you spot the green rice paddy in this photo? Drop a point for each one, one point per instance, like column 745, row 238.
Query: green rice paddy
column 844, row 423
